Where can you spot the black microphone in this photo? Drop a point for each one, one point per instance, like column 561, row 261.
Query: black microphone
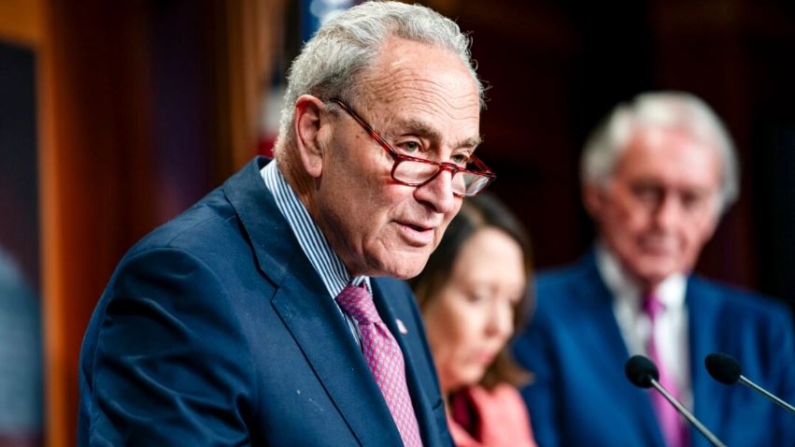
column 726, row 370
column 643, row 373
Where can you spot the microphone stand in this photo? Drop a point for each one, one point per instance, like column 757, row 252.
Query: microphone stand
column 683, row 411
column 767, row 394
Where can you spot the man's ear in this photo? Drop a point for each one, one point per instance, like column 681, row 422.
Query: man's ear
column 310, row 125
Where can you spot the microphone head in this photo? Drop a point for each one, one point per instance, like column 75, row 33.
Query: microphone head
column 723, row 368
column 640, row 371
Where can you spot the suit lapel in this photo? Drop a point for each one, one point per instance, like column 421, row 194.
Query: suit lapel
column 613, row 350
column 599, row 302
column 328, row 345
column 311, row 316
column 404, row 334
column 709, row 396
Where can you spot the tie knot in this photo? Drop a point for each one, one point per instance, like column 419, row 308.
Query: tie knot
column 652, row 305
column 358, row 303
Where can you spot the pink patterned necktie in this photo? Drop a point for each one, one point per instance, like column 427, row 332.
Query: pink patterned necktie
column 383, row 356
column 671, row 423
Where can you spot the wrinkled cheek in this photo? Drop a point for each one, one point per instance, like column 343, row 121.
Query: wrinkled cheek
column 388, row 243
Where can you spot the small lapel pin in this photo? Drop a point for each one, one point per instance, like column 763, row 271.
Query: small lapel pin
column 401, row 326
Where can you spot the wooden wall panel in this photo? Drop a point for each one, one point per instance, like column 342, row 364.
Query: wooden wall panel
column 147, row 105
column 250, row 30
column 21, row 21
column 96, row 169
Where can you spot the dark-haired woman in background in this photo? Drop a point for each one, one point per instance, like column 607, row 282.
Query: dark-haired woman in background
column 473, row 296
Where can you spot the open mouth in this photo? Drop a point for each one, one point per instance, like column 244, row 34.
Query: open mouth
column 417, row 227
column 417, row 235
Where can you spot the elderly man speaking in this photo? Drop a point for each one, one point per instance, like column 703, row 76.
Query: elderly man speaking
column 267, row 314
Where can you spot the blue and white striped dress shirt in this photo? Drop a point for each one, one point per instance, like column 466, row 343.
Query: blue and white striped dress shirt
column 326, row 263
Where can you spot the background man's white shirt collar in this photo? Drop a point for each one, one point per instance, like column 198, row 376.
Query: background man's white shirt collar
column 671, row 330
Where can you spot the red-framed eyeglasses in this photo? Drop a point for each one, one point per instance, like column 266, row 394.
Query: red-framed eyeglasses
column 413, row 171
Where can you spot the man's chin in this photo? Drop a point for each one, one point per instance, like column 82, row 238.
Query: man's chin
column 654, row 275
column 408, row 273
column 403, row 267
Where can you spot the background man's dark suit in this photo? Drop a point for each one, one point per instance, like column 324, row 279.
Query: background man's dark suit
column 233, row 316
column 581, row 396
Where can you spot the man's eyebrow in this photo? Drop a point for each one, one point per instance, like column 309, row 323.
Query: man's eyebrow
column 472, row 142
column 423, row 130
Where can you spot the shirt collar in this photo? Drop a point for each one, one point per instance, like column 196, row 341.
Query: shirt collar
column 670, row 292
column 312, row 241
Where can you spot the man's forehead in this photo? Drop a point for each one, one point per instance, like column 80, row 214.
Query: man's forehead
column 427, row 128
column 430, row 94
column 397, row 114
column 660, row 136
column 657, row 147
column 669, row 154
column 406, row 70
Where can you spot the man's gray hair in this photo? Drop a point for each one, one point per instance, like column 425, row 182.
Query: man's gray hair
column 346, row 45
column 682, row 111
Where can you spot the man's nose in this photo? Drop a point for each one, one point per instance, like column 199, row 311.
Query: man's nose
column 438, row 192
column 669, row 212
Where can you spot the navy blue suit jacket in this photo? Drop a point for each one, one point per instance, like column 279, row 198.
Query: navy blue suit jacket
column 215, row 330
column 581, row 396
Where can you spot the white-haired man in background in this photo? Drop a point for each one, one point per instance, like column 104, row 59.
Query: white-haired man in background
column 657, row 176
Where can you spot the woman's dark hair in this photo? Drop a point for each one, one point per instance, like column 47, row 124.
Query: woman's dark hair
column 481, row 211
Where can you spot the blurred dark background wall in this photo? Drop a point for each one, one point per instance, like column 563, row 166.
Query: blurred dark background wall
column 557, row 67
column 145, row 105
